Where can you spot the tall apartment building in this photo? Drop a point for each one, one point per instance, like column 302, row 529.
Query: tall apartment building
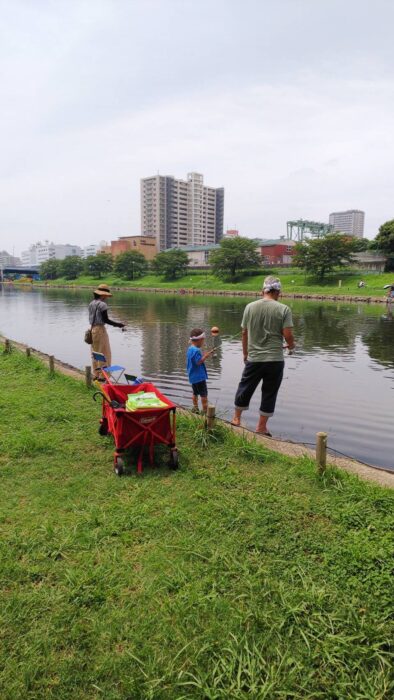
column 181, row 212
column 351, row 222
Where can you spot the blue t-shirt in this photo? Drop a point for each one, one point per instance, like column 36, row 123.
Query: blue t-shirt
column 196, row 372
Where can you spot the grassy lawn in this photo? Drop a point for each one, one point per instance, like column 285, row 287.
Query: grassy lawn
column 293, row 281
column 243, row 575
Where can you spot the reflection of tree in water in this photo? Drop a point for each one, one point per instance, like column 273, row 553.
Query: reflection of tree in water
column 166, row 324
column 160, row 346
column 380, row 340
column 331, row 327
column 321, row 326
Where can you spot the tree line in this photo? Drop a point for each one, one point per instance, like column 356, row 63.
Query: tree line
column 321, row 256
column 234, row 257
column 129, row 265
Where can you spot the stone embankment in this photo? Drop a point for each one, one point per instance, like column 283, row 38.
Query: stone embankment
column 223, row 293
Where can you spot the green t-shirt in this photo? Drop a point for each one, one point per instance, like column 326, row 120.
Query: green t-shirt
column 265, row 320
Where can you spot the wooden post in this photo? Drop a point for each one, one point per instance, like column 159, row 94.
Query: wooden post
column 211, row 411
column 28, row 351
column 88, row 376
column 321, row 451
column 51, row 364
column 7, row 346
column 339, row 283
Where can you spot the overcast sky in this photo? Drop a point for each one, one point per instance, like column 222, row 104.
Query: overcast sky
column 287, row 104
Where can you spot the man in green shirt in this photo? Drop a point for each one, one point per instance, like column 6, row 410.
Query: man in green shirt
column 265, row 324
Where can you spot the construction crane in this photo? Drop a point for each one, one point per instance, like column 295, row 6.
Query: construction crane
column 296, row 230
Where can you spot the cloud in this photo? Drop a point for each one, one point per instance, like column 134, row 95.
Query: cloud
column 105, row 93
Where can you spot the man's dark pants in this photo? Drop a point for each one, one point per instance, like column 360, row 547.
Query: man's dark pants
column 271, row 374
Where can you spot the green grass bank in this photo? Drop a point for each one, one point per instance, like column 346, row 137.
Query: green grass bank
column 294, row 282
column 243, row 575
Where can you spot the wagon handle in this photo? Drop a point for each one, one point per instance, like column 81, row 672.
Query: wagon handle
column 99, row 393
column 113, row 403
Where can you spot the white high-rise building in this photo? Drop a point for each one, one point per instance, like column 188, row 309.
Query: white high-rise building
column 351, row 222
column 93, row 249
column 41, row 252
column 181, row 212
column 7, row 260
column 29, row 257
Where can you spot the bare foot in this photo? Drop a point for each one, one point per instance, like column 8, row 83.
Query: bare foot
column 236, row 422
column 261, row 426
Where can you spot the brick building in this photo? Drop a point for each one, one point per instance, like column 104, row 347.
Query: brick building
column 276, row 251
column 142, row 244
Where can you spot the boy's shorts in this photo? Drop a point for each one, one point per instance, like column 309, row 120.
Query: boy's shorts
column 200, row 389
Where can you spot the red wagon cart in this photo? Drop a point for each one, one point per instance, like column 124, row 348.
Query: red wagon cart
column 143, row 428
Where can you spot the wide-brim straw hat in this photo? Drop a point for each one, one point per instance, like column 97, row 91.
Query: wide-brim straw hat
column 103, row 290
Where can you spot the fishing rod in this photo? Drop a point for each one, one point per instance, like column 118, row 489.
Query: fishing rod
column 215, row 332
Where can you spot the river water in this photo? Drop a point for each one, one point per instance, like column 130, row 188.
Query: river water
column 340, row 380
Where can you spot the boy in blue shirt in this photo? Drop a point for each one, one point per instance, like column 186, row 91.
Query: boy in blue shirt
column 196, row 369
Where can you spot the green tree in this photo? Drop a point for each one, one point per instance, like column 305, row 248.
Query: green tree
column 384, row 242
column 171, row 264
column 71, row 267
column 385, row 238
column 234, row 256
column 50, row 270
column 98, row 265
column 361, row 244
column 130, row 265
column 320, row 256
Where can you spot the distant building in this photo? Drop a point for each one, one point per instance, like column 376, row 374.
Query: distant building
column 370, row 260
column 41, row 252
column 51, row 251
column 29, row 257
column 350, row 222
column 146, row 245
column 276, row 251
column 93, row 249
column 7, row 260
column 199, row 254
column 231, row 233
column 181, row 212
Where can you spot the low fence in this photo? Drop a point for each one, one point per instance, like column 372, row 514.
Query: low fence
column 319, row 453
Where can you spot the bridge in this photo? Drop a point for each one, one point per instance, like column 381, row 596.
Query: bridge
column 17, row 273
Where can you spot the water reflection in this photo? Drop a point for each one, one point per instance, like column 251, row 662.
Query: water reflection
column 340, row 380
column 379, row 340
column 325, row 328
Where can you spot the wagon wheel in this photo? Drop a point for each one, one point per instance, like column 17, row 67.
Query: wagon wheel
column 174, row 459
column 119, row 466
